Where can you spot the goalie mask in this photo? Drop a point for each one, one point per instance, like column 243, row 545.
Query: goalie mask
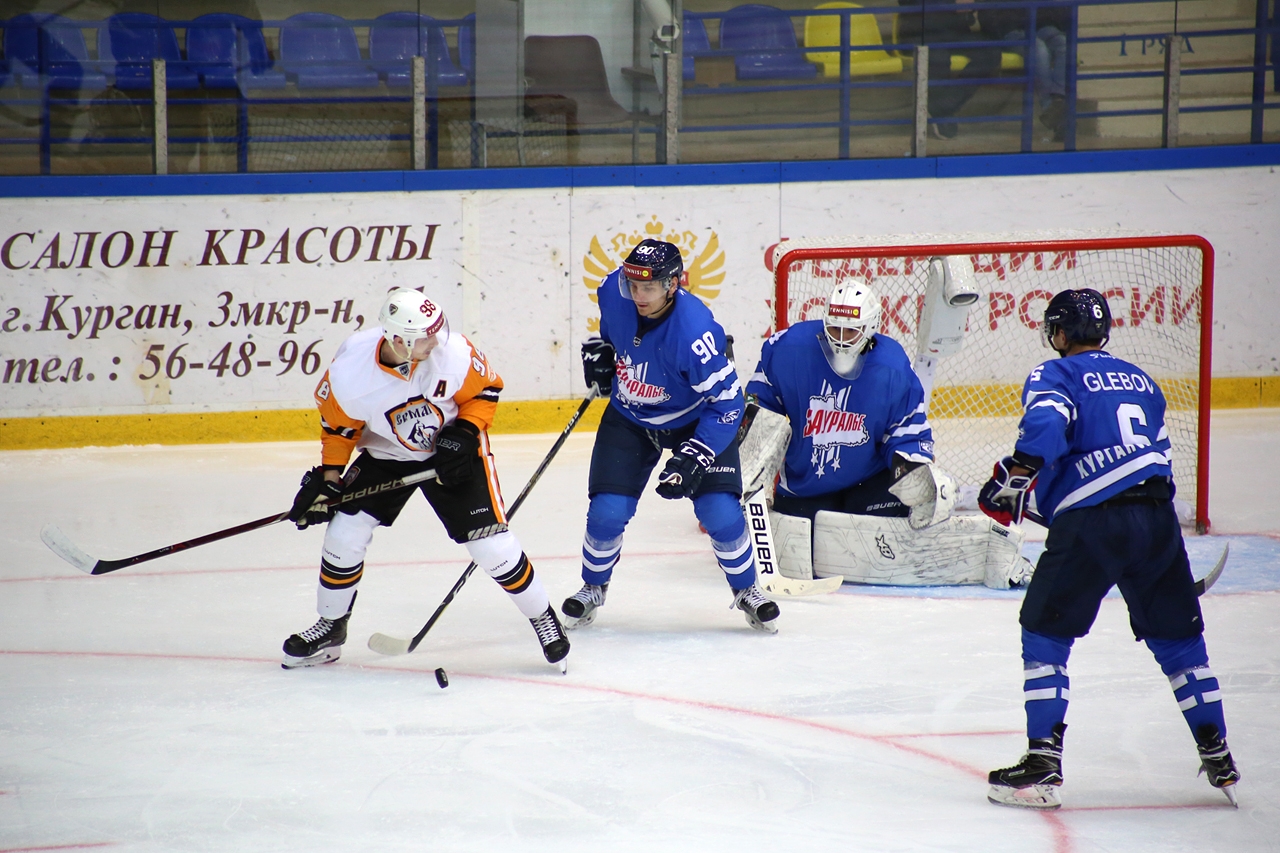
column 1083, row 316
column 410, row 317
column 849, row 326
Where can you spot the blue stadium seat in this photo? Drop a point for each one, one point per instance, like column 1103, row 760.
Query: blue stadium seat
column 132, row 39
column 49, row 45
column 696, row 42
column 230, row 52
column 467, row 45
column 319, row 51
column 396, row 37
column 757, row 32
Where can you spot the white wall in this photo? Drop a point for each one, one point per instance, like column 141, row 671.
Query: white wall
column 513, row 267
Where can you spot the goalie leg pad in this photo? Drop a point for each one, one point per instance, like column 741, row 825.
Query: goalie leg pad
column 793, row 537
column 929, row 491
column 763, row 449
column 887, row 551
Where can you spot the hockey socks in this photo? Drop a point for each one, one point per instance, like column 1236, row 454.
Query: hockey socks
column 502, row 559
column 1195, row 688
column 1045, row 685
column 721, row 514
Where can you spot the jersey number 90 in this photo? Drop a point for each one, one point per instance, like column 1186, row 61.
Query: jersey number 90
column 705, row 347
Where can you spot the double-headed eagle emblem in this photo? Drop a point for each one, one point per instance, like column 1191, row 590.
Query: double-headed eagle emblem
column 704, row 265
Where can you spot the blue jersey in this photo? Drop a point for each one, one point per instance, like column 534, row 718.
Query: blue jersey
column 672, row 372
column 1098, row 423
column 842, row 430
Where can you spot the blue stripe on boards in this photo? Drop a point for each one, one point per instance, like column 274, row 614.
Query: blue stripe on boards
column 689, row 174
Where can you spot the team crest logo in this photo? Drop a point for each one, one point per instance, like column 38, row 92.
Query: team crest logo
column 883, row 547
column 630, row 388
column 830, row 427
column 703, row 263
column 415, row 424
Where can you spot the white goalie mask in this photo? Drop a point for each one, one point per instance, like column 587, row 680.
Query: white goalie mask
column 410, row 316
column 851, row 321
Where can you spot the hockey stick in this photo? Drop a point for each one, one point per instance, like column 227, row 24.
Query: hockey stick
column 385, row 644
column 1202, row 585
column 766, row 555
column 61, row 545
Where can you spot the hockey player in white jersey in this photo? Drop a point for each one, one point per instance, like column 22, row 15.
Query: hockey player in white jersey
column 858, row 495
column 409, row 396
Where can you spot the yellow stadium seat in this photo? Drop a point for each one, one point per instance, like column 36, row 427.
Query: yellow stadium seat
column 824, row 31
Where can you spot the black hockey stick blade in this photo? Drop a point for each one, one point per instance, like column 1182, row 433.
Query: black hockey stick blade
column 385, row 644
column 60, row 544
column 1203, row 585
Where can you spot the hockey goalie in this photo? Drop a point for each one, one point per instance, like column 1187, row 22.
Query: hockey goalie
column 843, row 412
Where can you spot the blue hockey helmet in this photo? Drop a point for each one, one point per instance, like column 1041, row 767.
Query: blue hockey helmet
column 651, row 260
column 1083, row 316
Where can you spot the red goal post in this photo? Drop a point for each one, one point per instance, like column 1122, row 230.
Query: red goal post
column 1159, row 287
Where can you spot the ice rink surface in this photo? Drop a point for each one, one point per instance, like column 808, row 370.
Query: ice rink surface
column 146, row 710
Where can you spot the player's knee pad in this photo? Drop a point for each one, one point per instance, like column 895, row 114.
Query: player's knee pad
column 608, row 515
column 347, row 537
column 721, row 514
column 498, row 554
column 1041, row 648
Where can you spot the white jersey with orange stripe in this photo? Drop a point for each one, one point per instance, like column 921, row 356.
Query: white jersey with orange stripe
column 395, row 412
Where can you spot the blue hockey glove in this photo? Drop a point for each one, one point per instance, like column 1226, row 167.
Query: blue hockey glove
column 599, row 364
column 317, row 499
column 457, row 451
column 1005, row 495
column 683, row 472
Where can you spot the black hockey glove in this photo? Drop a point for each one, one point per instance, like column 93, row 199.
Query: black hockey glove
column 1005, row 495
column 683, row 473
column 316, row 500
column 599, row 364
column 457, row 451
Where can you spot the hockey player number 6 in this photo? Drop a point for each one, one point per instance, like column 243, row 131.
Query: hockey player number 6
column 1126, row 414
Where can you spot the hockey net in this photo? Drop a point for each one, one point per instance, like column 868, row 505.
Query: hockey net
column 1159, row 287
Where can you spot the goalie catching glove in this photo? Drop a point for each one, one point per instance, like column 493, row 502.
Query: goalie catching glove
column 457, row 449
column 599, row 364
column 684, row 470
column 317, row 498
column 1005, row 495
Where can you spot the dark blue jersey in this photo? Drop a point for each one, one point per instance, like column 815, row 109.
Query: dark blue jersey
column 1098, row 423
column 842, row 430
column 672, row 372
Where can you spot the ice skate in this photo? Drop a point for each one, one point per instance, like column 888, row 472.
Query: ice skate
column 321, row 643
column 555, row 645
column 1034, row 781
column 1216, row 762
column 580, row 608
column 761, row 613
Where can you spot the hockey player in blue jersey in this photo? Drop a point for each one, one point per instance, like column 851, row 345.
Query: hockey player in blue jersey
column 661, row 358
column 1094, row 450
column 858, row 484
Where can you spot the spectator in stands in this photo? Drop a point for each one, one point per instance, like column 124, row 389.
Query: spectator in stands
column 941, row 25
column 1050, row 67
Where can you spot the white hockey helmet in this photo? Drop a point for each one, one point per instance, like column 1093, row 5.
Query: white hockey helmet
column 850, row 322
column 411, row 316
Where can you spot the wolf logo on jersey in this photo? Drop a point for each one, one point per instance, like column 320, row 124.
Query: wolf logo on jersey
column 632, row 390
column 830, row 426
column 415, row 424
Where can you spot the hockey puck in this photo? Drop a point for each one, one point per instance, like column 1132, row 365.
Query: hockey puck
column 442, row 678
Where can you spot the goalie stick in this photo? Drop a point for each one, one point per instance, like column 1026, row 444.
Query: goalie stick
column 60, row 544
column 385, row 644
column 766, row 554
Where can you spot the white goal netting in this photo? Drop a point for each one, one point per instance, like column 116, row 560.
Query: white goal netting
column 1158, row 287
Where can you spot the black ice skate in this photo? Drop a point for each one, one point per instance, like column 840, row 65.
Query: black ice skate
column 580, row 608
column 321, row 643
column 1215, row 761
column 761, row 612
column 1034, row 781
column 555, row 645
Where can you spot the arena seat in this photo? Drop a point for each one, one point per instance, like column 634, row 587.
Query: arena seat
column 49, row 50
column 696, row 42
column 467, row 45
column 572, row 67
column 229, row 52
column 396, row 37
column 319, row 51
column 824, row 30
column 131, row 40
column 757, row 33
